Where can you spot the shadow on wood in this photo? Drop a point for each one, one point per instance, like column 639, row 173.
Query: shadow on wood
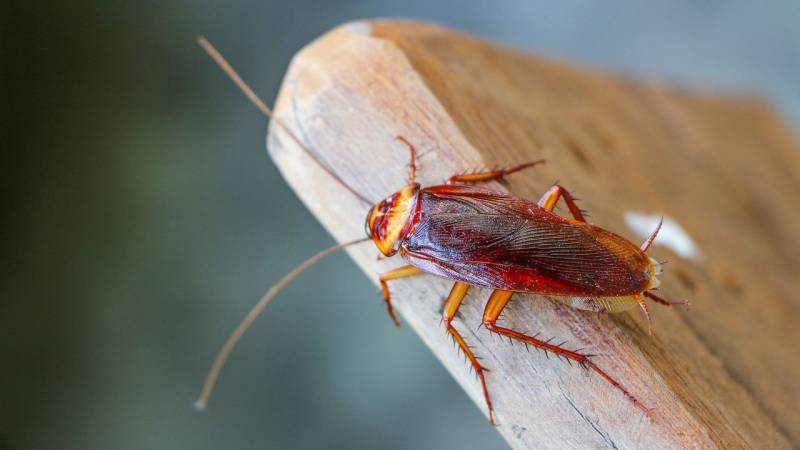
column 724, row 170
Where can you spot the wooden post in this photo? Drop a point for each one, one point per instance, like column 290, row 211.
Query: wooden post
column 725, row 171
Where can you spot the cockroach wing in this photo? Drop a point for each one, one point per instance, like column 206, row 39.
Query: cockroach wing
column 492, row 239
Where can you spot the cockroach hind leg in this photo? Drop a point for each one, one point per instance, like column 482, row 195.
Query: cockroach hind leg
column 643, row 306
column 685, row 303
column 498, row 301
column 636, row 402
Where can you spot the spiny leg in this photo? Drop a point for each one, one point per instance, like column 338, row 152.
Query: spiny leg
column 550, row 198
column 640, row 301
column 400, row 272
column 494, row 307
column 491, row 175
column 449, row 311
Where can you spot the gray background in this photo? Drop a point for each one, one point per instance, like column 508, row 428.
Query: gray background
column 142, row 217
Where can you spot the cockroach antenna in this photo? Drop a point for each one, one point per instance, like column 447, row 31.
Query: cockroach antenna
column 251, row 316
column 229, row 70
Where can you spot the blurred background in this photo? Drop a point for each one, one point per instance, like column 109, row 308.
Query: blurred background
column 143, row 218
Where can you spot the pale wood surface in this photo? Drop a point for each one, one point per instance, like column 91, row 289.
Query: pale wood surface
column 723, row 374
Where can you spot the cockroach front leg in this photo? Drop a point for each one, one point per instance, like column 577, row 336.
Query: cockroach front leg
column 550, row 198
column 498, row 174
column 494, row 307
column 400, row 272
column 449, row 311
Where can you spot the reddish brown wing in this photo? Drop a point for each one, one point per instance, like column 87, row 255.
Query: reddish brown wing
column 493, row 239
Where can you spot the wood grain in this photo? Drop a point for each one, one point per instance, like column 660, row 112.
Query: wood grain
column 723, row 374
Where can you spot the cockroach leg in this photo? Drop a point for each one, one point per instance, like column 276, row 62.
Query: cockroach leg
column 665, row 302
column 643, row 305
column 550, row 198
column 413, row 165
column 400, row 272
column 494, row 307
column 478, row 177
column 449, row 311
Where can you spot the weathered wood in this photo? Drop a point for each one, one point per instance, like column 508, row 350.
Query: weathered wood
column 723, row 374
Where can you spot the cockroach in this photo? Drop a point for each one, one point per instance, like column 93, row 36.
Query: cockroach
column 476, row 236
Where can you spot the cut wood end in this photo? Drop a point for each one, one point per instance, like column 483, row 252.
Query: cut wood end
column 622, row 146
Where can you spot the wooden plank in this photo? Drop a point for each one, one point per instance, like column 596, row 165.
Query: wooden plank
column 722, row 374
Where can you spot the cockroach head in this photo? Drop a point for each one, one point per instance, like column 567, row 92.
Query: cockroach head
column 654, row 271
column 390, row 219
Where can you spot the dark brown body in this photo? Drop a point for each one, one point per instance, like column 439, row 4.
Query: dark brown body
column 495, row 240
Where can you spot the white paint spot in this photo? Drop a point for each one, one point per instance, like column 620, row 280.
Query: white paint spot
column 359, row 27
column 672, row 235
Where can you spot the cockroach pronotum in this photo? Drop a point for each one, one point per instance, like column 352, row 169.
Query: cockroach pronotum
column 475, row 236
